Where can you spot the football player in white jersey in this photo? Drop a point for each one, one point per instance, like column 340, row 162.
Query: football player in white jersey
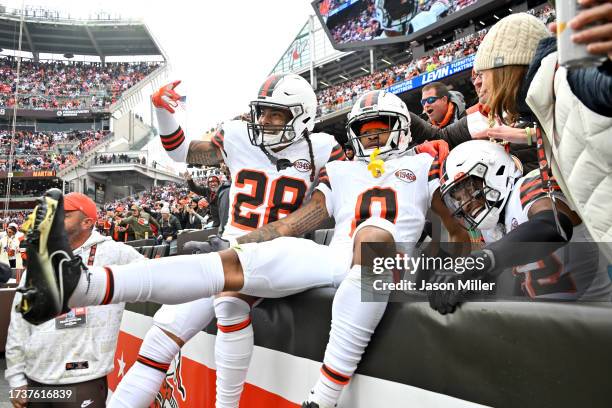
column 483, row 185
column 382, row 201
column 273, row 158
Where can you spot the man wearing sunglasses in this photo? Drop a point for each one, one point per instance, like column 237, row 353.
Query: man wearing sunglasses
column 441, row 105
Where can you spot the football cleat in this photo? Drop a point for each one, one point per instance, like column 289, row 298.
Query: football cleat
column 311, row 404
column 53, row 271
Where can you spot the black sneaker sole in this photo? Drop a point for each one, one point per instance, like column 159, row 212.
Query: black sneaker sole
column 41, row 300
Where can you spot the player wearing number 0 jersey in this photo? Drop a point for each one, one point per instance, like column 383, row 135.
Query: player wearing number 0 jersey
column 270, row 159
column 281, row 266
column 401, row 195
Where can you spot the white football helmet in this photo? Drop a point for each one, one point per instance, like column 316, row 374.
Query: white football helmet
column 477, row 178
column 395, row 15
column 289, row 92
column 381, row 106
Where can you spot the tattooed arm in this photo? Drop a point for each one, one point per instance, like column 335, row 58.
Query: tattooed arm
column 205, row 153
column 305, row 219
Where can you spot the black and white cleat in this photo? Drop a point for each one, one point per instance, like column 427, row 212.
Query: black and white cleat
column 52, row 270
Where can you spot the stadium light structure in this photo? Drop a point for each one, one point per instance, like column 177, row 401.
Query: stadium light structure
column 343, row 77
column 385, row 61
column 364, row 70
column 324, row 83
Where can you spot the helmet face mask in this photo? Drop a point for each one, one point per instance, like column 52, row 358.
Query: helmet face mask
column 471, row 199
column 390, row 135
column 379, row 106
column 271, row 135
column 291, row 94
column 477, row 179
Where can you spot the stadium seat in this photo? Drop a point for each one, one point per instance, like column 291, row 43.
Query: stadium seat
column 147, row 251
column 141, row 242
column 323, row 236
column 160, row 251
column 198, row 235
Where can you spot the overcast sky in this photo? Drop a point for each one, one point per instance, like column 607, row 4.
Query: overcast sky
column 222, row 50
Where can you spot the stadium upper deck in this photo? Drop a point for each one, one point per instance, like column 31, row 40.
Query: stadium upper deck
column 339, row 76
column 50, row 32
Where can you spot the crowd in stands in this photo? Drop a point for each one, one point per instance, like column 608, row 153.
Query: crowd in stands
column 180, row 202
column 332, row 97
column 184, row 209
column 47, row 150
column 365, row 26
column 68, row 85
column 362, row 28
column 113, row 158
column 17, row 217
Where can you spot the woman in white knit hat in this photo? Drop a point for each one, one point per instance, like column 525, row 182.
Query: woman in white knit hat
column 503, row 59
column 571, row 109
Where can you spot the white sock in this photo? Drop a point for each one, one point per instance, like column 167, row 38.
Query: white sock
column 143, row 381
column 233, row 349
column 353, row 323
column 171, row 136
column 173, row 280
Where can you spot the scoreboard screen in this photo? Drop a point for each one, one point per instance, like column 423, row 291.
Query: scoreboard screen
column 354, row 24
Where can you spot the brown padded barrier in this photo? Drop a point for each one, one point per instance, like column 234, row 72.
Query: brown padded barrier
column 510, row 354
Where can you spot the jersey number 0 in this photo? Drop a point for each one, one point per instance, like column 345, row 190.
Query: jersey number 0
column 387, row 199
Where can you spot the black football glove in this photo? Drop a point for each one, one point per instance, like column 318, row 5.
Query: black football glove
column 446, row 301
column 214, row 244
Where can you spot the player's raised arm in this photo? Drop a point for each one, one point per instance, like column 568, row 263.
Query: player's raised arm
column 305, row 219
column 172, row 135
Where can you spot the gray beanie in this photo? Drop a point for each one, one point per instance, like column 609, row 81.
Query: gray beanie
column 512, row 41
